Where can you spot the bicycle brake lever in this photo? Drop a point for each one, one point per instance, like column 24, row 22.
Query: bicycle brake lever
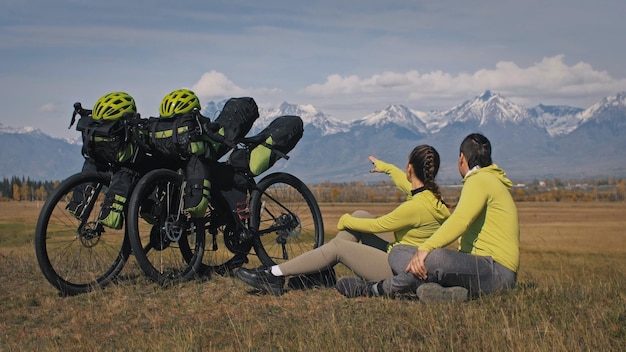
column 77, row 108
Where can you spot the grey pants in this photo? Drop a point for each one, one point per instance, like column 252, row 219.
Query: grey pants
column 364, row 253
column 401, row 281
column 479, row 274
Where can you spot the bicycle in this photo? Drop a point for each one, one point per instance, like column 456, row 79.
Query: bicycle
column 75, row 252
column 278, row 218
column 72, row 250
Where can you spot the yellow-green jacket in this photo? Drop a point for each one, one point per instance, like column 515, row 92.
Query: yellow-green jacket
column 412, row 222
column 485, row 219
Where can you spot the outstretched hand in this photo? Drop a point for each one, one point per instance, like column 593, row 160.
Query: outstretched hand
column 373, row 160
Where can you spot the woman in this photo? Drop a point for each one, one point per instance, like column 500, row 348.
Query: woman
column 358, row 245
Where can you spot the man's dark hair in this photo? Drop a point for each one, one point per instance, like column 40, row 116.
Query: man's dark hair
column 477, row 150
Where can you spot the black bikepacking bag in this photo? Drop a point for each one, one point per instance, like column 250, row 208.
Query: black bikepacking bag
column 281, row 136
column 230, row 190
column 235, row 121
column 106, row 142
column 198, row 187
column 112, row 211
column 176, row 138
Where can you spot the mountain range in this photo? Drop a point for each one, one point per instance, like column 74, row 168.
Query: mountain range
column 529, row 143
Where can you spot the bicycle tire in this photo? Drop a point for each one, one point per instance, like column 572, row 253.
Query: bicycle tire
column 78, row 256
column 223, row 258
column 286, row 218
column 161, row 240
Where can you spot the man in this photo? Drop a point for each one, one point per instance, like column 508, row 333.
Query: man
column 485, row 221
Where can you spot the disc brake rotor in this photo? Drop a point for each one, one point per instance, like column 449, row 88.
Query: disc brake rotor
column 90, row 234
column 293, row 227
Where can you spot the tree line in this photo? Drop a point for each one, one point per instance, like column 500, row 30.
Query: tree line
column 25, row 189
column 549, row 190
column 599, row 189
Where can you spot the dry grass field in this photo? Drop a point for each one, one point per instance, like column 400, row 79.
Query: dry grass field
column 571, row 296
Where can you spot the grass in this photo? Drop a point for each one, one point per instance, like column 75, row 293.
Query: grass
column 570, row 297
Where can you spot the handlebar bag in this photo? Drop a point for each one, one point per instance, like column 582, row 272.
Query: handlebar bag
column 281, row 136
column 107, row 142
column 235, row 121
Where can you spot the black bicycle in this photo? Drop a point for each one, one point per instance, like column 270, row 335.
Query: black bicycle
column 278, row 218
column 275, row 219
column 75, row 252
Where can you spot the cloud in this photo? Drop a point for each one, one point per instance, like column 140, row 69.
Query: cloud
column 50, row 107
column 549, row 81
column 216, row 85
column 550, row 77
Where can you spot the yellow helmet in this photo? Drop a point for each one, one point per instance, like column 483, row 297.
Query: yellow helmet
column 178, row 102
column 113, row 106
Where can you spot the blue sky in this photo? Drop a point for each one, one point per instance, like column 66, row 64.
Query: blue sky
column 348, row 58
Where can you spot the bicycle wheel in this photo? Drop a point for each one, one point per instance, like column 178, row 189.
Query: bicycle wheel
column 76, row 254
column 225, row 251
column 286, row 217
column 167, row 244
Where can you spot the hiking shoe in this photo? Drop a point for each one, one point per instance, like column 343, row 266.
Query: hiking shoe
column 263, row 279
column 324, row 278
column 431, row 292
column 352, row 287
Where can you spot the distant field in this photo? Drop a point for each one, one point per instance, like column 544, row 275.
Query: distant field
column 571, row 296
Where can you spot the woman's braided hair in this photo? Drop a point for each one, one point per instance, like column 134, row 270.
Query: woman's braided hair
column 425, row 161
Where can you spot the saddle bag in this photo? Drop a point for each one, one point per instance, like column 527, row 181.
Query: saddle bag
column 235, row 121
column 280, row 137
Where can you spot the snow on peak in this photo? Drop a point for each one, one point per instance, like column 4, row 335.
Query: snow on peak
column 487, row 107
column 310, row 116
column 29, row 130
column 19, row 130
column 617, row 102
column 398, row 115
column 556, row 119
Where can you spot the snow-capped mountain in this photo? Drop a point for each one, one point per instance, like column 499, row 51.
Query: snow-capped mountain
column 609, row 107
column 310, row 115
column 27, row 130
column 557, row 120
column 19, row 130
column 398, row 115
column 486, row 108
column 543, row 141
column 212, row 108
column 31, row 153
